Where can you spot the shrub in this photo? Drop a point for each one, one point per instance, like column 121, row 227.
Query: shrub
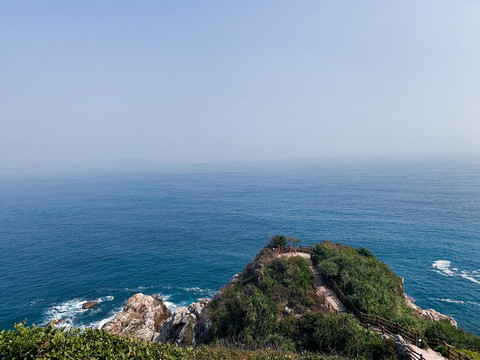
column 276, row 241
column 368, row 283
column 50, row 343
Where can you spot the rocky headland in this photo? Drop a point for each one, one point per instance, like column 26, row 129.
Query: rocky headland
column 325, row 302
column 146, row 317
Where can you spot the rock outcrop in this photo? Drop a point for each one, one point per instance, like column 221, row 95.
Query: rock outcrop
column 401, row 346
column 142, row 317
column 89, row 305
column 56, row 322
column 429, row 314
column 187, row 326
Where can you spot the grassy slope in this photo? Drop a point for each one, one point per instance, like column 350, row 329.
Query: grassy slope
column 374, row 289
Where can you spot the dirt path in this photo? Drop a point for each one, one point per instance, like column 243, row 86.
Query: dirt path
column 335, row 303
column 321, row 287
column 427, row 354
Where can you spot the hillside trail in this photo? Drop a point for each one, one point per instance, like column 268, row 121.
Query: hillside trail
column 321, row 287
column 335, row 303
column 428, row 354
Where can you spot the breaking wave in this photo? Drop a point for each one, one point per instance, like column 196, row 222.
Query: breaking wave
column 444, row 267
column 200, row 291
column 70, row 310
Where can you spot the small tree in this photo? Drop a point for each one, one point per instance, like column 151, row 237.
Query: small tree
column 294, row 241
column 277, row 240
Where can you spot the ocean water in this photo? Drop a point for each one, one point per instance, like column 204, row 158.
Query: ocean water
column 184, row 231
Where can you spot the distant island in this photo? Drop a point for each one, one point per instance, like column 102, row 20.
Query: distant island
column 326, row 301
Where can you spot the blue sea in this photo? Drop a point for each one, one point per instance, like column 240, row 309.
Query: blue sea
column 183, row 231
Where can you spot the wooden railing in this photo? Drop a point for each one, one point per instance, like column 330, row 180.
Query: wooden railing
column 298, row 248
column 388, row 327
column 451, row 351
column 383, row 325
column 414, row 355
column 393, row 328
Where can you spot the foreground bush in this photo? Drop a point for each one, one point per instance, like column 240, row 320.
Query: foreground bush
column 50, row 343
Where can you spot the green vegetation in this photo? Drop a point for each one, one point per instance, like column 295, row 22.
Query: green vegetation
column 444, row 331
column 50, row 343
column 277, row 240
column 273, row 304
column 471, row 354
column 374, row 289
column 369, row 284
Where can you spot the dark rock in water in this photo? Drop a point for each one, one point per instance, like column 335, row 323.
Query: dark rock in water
column 89, row 305
column 142, row 317
column 187, row 326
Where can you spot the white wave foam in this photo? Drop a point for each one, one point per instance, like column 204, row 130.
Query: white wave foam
column 170, row 305
column 450, row 301
column 470, row 275
column 100, row 323
column 31, row 303
column 136, row 290
column 67, row 310
column 443, row 267
column 196, row 289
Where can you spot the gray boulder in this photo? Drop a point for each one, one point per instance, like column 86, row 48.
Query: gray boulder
column 142, row 317
column 401, row 345
column 188, row 326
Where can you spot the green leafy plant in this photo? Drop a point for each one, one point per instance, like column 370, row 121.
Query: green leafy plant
column 276, row 241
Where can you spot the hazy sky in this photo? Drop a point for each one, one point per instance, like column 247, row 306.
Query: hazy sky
column 188, row 81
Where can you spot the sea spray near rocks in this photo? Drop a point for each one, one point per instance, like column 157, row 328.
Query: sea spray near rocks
column 69, row 311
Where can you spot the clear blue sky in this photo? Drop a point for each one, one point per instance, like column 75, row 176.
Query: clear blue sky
column 188, row 81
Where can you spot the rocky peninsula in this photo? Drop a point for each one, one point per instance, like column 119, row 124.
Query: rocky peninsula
column 277, row 301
